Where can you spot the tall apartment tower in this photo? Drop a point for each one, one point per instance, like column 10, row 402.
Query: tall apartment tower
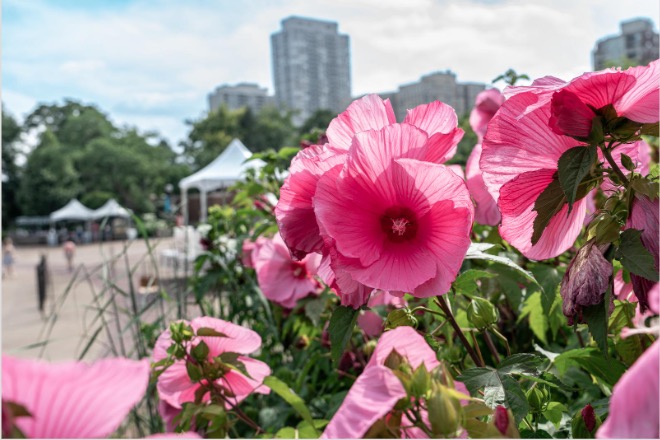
column 241, row 95
column 637, row 42
column 311, row 67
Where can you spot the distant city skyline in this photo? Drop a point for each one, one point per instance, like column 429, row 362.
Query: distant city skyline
column 152, row 64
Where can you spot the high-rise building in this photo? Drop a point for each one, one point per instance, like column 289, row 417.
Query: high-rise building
column 637, row 44
column 241, row 95
column 438, row 86
column 311, row 67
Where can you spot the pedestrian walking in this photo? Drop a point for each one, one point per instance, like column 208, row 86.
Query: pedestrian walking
column 8, row 251
column 69, row 253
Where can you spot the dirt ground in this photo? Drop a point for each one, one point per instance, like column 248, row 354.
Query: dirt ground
column 73, row 298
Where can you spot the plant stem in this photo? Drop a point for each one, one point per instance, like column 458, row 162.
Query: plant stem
column 477, row 348
column 445, row 308
column 608, row 156
column 502, row 338
column 491, row 346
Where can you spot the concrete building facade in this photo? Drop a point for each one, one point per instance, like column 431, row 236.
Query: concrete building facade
column 241, row 95
column 638, row 42
column 311, row 67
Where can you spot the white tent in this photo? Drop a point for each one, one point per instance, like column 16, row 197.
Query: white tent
column 227, row 169
column 74, row 210
column 110, row 209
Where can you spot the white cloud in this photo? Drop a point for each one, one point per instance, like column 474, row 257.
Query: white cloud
column 153, row 63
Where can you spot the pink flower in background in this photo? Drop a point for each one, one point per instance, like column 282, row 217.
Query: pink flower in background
column 249, row 249
column 399, row 223
column 485, row 107
column 377, row 390
column 371, row 322
column 644, row 216
column 282, row 279
column 634, row 404
column 486, row 211
column 175, row 387
column 73, row 399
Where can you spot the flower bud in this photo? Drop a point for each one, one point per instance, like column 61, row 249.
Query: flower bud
column 501, row 419
column 538, row 399
column 400, row 318
column 421, row 381
column 369, row 347
column 445, row 414
column 585, row 423
column 482, row 313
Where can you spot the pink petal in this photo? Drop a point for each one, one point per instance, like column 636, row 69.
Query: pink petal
column 634, row 405
column 516, row 204
column 623, row 290
column 486, row 211
column 516, row 144
column 645, row 217
column 640, row 104
column 371, row 397
column 434, row 117
column 599, row 89
column 241, row 385
column 485, row 107
column 74, row 399
column 351, row 292
column 367, row 113
column 238, row 339
column 371, row 323
column 441, row 147
column 189, row 434
column 409, row 344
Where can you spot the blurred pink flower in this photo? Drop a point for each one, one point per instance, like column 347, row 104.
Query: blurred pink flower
column 645, row 217
column 485, row 107
column 486, row 211
column 281, row 279
column 73, row 399
column 405, row 222
column 249, row 249
column 377, row 390
column 175, row 387
column 634, row 404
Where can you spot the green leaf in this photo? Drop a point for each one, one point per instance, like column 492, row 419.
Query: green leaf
column 194, row 373
column 596, row 318
column 634, row 256
column 573, row 166
column 627, row 162
column 630, row 348
column 341, row 326
column 230, row 360
column 539, row 433
column 207, row 331
column 650, row 129
column 549, row 277
column 313, row 310
column 554, row 412
column 200, row 351
column 466, row 282
column 538, row 319
column 645, row 186
column 305, row 430
column 592, row 361
column 521, row 363
column 499, row 388
column 477, row 253
column 549, row 203
column 286, row 393
column 286, row 432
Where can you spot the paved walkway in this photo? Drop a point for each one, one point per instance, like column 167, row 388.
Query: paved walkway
column 71, row 315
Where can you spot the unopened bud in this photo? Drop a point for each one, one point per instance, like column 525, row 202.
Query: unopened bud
column 400, row 318
column 585, row 423
column 421, row 381
column 538, row 399
column 482, row 313
column 369, row 347
column 501, row 419
column 444, row 414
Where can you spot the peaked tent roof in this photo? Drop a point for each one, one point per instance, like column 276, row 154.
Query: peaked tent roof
column 110, row 209
column 74, row 210
column 225, row 170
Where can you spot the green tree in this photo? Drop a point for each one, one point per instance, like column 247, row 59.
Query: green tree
column 11, row 132
column 50, row 179
column 466, row 144
column 319, row 120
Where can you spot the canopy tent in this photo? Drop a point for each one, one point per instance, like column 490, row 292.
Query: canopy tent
column 74, row 210
column 110, row 209
column 227, row 169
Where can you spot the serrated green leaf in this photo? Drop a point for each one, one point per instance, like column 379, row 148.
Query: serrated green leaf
column 538, row 319
column 341, row 326
column 592, row 361
column 286, row 393
column 573, row 166
column 549, row 277
column 554, row 412
column 521, row 363
column 634, row 256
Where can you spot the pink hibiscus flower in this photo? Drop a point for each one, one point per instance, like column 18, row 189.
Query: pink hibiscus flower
column 249, row 248
column 634, row 405
column 72, row 399
column 518, row 161
column 405, row 221
column 174, row 385
column 377, row 390
column 281, row 279
column 644, row 216
column 486, row 105
column 294, row 211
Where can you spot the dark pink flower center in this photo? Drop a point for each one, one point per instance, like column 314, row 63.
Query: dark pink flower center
column 399, row 224
column 298, row 269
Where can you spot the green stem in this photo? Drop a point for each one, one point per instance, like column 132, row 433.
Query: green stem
column 440, row 300
column 502, row 338
column 608, row 156
column 491, row 346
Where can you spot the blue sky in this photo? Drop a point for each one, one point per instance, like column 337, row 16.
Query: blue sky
column 151, row 63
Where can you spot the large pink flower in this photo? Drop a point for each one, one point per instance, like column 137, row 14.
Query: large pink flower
column 73, row 399
column 281, row 279
column 485, row 107
column 375, row 393
column 518, row 161
column 250, row 248
column 295, row 212
column 634, row 405
column 399, row 222
column 175, row 387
